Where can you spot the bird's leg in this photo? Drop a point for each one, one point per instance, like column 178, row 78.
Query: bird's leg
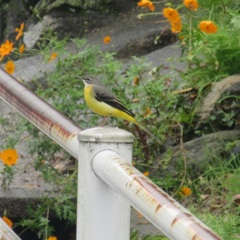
column 103, row 121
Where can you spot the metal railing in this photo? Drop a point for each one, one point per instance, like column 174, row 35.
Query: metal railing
column 6, row 233
column 107, row 182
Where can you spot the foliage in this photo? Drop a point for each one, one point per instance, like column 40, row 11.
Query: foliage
column 39, row 221
column 165, row 99
column 136, row 236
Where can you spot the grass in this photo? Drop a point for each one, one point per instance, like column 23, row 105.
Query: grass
column 212, row 202
column 171, row 117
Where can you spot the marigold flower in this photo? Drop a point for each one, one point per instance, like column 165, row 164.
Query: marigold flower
column 146, row 174
column 139, row 214
column 148, row 112
column 185, row 191
column 10, row 67
column 176, row 26
column 208, row 27
column 107, row 39
column 191, row 4
column 171, row 14
column 52, row 238
column 53, row 56
column 19, row 31
column 7, row 221
column 136, row 81
column 146, row 4
column 9, row 156
column 21, row 48
column 5, row 49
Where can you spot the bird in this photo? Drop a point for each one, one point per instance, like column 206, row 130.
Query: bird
column 103, row 102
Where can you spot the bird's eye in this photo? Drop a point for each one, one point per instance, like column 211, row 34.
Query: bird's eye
column 88, row 80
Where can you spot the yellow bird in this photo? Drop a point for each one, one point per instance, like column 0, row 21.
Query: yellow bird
column 103, row 102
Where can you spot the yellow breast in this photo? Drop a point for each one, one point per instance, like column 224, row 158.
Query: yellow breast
column 96, row 106
column 102, row 108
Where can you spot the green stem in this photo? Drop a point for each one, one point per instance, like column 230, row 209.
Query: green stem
column 210, row 16
column 190, row 39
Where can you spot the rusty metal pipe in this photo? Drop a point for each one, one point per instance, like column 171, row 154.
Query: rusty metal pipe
column 163, row 211
column 157, row 206
column 40, row 113
column 6, row 233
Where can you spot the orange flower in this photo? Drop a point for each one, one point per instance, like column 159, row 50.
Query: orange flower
column 148, row 112
column 185, row 191
column 19, row 31
column 146, row 174
column 139, row 214
column 208, row 27
column 146, row 4
column 21, row 48
column 53, row 56
column 10, row 67
column 191, row 4
column 52, row 238
column 171, row 14
column 7, row 221
column 9, row 156
column 5, row 49
column 176, row 25
column 136, row 81
column 107, row 39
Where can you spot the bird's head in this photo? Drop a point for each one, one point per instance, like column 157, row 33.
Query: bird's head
column 90, row 81
column 86, row 80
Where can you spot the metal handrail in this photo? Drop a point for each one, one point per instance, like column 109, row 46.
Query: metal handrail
column 54, row 124
column 104, row 165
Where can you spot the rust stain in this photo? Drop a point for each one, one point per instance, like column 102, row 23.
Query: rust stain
column 158, row 199
column 195, row 237
column 157, row 208
column 65, row 133
column 201, row 232
column 179, row 217
column 153, row 190
column 153, row 194
column 36, row 109
column 127, row 168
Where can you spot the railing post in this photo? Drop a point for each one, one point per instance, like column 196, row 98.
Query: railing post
column 101, row 214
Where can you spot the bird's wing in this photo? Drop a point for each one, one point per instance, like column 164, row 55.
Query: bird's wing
column 106, row 96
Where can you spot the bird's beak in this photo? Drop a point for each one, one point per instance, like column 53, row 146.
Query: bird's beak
column 82, row 80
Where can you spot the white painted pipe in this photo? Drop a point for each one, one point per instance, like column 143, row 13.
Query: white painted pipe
column 6, row 233
column 102, row 213
column 158, row 207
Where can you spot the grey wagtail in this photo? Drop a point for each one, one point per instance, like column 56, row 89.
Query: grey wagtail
column 102, row 101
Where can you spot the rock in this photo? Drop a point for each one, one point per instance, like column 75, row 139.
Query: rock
column 34, row 32
column 197, row 154
column 45, row 6
column 1, row 17
column 236, row 200
column 12, row 15
column 65, row 23
column 14, row 12
column 229, row 84
column 130, row 36
column 32, row 68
